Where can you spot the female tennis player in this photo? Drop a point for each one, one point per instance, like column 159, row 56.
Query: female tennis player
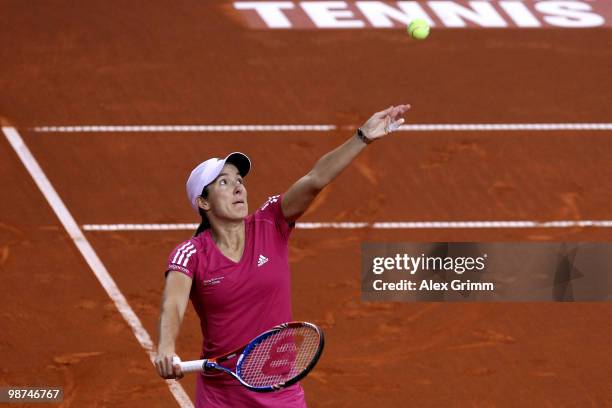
column 236, row 268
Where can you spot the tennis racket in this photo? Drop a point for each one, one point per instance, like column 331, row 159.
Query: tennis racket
column 273, row 360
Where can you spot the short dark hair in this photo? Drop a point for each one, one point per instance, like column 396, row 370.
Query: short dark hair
column 205, row 224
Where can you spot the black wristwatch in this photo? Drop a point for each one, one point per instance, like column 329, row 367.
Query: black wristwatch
column 363, row 137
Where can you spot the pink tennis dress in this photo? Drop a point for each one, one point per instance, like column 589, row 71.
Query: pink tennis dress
column 236, row 301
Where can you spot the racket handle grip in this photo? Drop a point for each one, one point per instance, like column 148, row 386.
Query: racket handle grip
column 190, row 366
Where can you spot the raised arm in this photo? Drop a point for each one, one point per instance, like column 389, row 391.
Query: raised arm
column 301, row 194
column 174, row 303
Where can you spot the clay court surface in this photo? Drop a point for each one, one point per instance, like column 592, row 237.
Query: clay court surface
column 188, row 63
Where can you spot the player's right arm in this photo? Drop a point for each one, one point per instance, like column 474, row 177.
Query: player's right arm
column 174, row 304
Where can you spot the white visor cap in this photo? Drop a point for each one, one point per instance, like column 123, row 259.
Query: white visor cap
column 206, row 172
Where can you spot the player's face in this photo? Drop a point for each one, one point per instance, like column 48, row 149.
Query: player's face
column 227, row 195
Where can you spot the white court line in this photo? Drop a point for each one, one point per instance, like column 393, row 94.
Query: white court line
column 458, row 127
column 376, row 225
column 186, row 128
column 89, row 254
column 451, row 127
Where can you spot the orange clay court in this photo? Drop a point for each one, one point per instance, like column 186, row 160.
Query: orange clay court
column 201, row 63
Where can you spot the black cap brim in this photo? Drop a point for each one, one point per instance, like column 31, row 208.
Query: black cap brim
column 241, row 161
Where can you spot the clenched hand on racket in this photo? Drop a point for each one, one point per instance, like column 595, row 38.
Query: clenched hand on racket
column 167, row 366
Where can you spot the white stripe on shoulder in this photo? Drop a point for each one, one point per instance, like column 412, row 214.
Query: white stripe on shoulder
column 178, row 251
column 181, row 253
column 188, row 256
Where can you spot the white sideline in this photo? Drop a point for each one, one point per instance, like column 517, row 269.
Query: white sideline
column 89, row 254
column 450, row 127
column 186, row 128
column 377, row 225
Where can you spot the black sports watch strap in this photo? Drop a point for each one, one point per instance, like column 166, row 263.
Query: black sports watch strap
column 363, row 137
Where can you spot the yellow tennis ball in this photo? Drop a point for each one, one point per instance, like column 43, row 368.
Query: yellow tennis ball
column 418, row 29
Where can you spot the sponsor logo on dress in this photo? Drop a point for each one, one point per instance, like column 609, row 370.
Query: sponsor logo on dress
column 213, row 281
column 271, row 200
column 174, row 267
column 262, row 260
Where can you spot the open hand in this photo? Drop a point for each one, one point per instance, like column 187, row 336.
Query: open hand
column 384, row 122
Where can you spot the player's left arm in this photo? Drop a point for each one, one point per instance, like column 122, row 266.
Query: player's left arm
column 303, row 192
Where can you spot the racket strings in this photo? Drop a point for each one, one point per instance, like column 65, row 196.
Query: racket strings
column 280, row 356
